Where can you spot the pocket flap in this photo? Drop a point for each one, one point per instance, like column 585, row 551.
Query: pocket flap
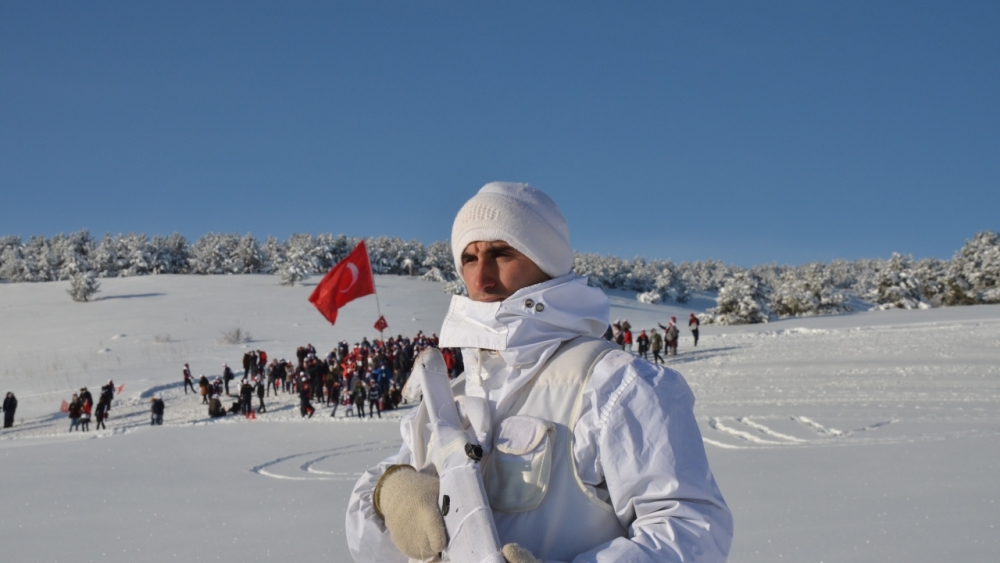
column 521, row 434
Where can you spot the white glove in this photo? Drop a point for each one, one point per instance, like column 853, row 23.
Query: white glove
column 514, row 553
column 407, row 502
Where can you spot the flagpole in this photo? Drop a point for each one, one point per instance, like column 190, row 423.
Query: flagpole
column 375, row 291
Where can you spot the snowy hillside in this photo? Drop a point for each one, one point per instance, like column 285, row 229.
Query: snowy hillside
column 863, row 437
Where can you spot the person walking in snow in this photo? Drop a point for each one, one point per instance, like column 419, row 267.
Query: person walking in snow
column 655, row 345
column 203, row 384
column 305, row 396
column 627, row 340
column 642, row 341
column 9, row 407
column 335, row 395
column 246, row 397
column 188, row 379
column 259, row 388
column 85, row 410
column 101, row 413
column 373, row 399
column 693, row 324
column 248, row 361
column 670, row 336
column 227, row 376
column 75, row 408
column 156, row 410
column 602, row 486
column 358, row 397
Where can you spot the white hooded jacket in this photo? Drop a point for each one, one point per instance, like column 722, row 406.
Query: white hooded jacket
column 636, row 443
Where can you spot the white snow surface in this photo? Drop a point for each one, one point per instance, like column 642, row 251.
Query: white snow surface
column 872, row 436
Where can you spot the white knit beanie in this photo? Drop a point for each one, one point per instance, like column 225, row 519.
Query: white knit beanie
column 523, row 217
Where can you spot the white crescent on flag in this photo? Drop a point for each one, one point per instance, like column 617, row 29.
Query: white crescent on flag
column 354, row 277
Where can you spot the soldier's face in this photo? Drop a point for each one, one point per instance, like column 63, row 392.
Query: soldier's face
column 494, row 270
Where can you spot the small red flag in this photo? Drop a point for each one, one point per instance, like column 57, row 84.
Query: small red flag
column 380, row 324
column 64, row 407
column 120, row 387
column 345, row 282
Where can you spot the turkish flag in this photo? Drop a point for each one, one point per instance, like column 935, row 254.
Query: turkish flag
column 64, row 407
column 120, row 388
column 345, row 282
column 380, row 324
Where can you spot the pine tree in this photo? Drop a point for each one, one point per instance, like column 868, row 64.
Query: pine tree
column 804, row 291
column 977, row 268
column 83, row 285
column 896, row 286
column 290, row 273
column 742, row 300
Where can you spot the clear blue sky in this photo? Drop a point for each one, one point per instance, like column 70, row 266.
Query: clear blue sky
column 748, row 132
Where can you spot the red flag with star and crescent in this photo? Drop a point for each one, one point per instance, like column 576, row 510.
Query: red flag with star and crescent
column 349, row 279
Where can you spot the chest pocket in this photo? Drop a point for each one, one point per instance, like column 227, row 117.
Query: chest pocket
column 517, row 472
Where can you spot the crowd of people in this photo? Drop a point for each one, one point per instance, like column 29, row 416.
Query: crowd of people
column 370, row 374
column 620, row 332
column 81, row 408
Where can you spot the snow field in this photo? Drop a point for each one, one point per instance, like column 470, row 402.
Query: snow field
column 863, row 437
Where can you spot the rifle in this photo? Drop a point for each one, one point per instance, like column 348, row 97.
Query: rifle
column 472, row 534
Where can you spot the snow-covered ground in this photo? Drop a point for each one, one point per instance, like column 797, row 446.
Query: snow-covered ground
column 866, row 437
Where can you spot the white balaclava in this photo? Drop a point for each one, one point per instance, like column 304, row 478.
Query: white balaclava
column 523, row 217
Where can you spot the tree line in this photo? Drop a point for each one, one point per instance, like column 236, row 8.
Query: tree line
column 745, row 295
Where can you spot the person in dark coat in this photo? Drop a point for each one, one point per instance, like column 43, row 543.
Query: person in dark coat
column 85, row 397
column 227, row 376
column 643, row 342
column 693, row 324
column 374, row 396
column 75, row 409
column 358, row 398
column 203, row 384
column 9, row 406
column 215, row 408
column 334, row 396
column 246, row 397
column 156, row 409
column 102, row 413
column 305, row 407
column 259, row 388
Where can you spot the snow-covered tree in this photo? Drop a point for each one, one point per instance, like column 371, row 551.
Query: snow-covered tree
column 438, row 256
column 896, row 286
column 708, row 275
column 290, row 273
column 456, row 287
column 105, row 260
column 83, row 285
column 226, row 254
column 976, row 270
column 170, row 255
column 806, row 290
column 12, row 266
column 742, row 300
column 302, row 255
column 72, row 253
column 135, row 255
column 38, row 266
column 248, row 258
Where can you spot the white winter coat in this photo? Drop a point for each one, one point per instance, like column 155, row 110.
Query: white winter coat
column 636, row 443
